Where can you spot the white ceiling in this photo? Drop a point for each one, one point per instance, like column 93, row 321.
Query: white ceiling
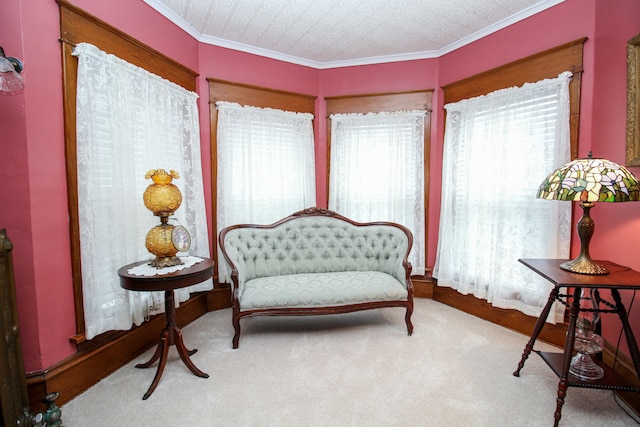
column 338, row 33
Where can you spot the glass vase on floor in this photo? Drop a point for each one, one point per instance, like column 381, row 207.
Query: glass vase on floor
column 587, row 342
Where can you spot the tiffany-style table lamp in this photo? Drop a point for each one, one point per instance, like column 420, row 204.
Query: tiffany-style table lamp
column 588, row 180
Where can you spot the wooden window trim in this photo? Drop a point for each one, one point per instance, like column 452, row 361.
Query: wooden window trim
column 77, row 26
column 542, row 65
column 380, row 102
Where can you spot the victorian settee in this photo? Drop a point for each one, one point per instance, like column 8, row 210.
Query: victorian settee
column 315, row 262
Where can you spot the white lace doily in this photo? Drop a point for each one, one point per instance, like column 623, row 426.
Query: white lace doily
column 147, row 270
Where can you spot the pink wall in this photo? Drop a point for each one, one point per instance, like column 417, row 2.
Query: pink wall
column 35, row 211
column 617, row 225
column 33, row 167
column 14, row 173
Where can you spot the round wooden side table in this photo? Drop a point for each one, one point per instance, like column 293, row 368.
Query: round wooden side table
column 171, row 334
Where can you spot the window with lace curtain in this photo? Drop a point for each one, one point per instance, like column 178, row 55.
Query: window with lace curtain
column 498, row 148
column 378, row 146
column 129, row 121
column 377, row 171
column 265, row 166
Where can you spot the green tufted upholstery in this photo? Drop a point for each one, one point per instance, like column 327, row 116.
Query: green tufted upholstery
column 317, row 259
column 320, row 290
column 316, row 245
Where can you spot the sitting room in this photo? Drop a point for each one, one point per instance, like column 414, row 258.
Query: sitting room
column 331, row 213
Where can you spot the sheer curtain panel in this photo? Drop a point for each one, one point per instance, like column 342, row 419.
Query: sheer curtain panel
column 128, row 122
column 377, row 172
column 498, row 149
column 266, row 166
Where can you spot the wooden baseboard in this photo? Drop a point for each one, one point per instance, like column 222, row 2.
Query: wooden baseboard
column 77, row 373
column 512, row 319
column 623, row 366
column 219, row 298
column 422, row 287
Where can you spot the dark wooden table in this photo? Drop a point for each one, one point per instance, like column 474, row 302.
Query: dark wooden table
column 619, row 277
column 171, row 334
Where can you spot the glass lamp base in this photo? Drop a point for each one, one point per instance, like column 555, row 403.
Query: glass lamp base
column 583, row 367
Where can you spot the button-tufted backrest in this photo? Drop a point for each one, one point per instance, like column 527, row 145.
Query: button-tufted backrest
column 315, row 244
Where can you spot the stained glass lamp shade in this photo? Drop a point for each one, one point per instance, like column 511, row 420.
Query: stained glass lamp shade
column 588, row 180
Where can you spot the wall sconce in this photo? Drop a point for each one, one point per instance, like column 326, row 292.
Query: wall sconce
column 11, row 81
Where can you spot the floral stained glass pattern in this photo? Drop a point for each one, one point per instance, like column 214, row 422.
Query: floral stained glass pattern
column 590, row 180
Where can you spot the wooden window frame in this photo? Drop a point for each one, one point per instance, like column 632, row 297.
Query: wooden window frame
column 77, row 26
column 544, row 65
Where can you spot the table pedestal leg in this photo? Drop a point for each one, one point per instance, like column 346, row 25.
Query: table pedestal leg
column 161, row 352
column 537, row 329
column 563, row 385
column 171, row 335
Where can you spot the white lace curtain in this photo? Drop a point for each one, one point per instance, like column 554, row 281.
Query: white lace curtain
column 128, row 122
column 377, row 172
column 498, row 148
column 266, row 166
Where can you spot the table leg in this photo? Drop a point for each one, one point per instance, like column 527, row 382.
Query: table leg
column 171, row 335
column 164, row 343
column 628, row 333
column 156, row 355
column 184, row 354
column 537, row 329
column 563, row 385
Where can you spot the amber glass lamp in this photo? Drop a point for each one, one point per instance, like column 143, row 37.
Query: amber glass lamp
column 588, row 180
column 163, row 198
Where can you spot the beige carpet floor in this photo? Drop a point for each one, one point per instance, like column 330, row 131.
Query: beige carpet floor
column 357, row 369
